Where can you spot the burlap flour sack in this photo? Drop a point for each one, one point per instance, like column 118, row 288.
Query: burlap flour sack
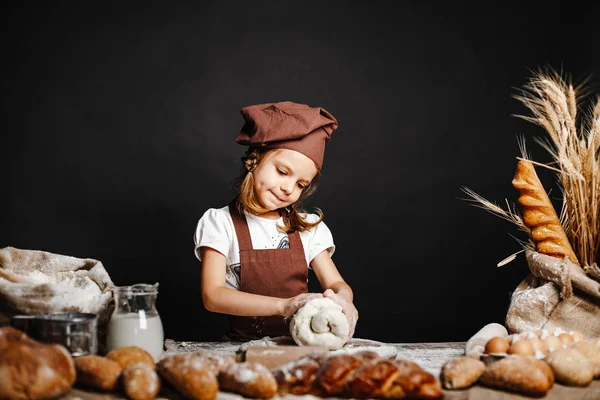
column 557, row 294
column 34, row 282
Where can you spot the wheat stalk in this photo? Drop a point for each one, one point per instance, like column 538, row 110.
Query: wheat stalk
column 510, row 214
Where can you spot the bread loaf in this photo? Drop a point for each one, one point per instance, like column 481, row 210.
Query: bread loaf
column 191, row 374
column 521, row 374
column 250, row 379
column 590, row 348
column 128, row 355
column 97, row 372
column 358, row 375
column 539, row 214
column 416, row 382
column 33, row 370
column 8, row 334
column 140, row 381
column 570, row 367
column 461, row 372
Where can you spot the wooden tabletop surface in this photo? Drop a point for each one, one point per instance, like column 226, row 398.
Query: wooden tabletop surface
column 430, row 356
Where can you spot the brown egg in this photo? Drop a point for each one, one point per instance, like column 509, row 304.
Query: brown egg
column 519, row 336
column 553, row 343
column 522, row 347
column 551, row 331
column 577, row 336
column 565, row 338
column 540, row 348
column 497, row 345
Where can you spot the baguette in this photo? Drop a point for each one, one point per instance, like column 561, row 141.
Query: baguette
column 539, row 214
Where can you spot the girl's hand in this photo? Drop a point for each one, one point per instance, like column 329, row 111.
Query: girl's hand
column 347, row 307
column 291, row 305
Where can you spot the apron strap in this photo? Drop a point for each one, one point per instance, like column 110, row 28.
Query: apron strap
column 243, row 233
column 241, row 227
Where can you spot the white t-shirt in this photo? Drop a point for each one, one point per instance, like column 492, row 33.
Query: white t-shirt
column 215, row 230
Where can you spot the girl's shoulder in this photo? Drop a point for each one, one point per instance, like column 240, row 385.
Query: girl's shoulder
column 310, row 217
column 217, row 215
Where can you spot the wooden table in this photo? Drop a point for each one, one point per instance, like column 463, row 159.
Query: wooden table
column 430, row 356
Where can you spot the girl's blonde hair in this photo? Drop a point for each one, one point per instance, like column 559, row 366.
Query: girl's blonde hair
column 248, row 201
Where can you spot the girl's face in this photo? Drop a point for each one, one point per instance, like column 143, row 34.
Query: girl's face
column 281, row 176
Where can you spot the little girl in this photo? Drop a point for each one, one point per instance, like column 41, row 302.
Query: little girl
column 256, row 251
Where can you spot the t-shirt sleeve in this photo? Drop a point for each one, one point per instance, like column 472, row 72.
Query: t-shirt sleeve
column 320, row 239
column 214, row 231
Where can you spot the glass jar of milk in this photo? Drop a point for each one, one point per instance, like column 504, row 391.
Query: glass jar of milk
column 135, row 320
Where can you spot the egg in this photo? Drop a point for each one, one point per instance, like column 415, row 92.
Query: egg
column 540, row 348
column 519, row 336
column 553, row 343
column 551, row 331
column 497, row 345
column 522, row 347
column 577, row 336
column 565, row 338
column 539, row 333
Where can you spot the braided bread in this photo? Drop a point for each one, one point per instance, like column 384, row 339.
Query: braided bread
column 540, row 216
column 358, row 375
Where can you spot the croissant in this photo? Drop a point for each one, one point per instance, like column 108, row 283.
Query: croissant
column 358, row 375
column 540, row 216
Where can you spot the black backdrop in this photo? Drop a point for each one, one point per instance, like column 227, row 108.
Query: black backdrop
column 119, row 121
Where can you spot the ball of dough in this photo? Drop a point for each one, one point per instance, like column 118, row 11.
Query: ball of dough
column 320, row 322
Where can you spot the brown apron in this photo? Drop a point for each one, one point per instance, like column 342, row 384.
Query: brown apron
column 270, row 272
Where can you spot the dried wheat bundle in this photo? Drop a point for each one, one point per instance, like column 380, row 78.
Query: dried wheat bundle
column 575, row 149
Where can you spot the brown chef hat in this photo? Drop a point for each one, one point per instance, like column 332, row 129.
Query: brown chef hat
column 288, row 125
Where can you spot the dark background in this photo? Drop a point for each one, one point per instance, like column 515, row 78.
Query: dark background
column 119, row 120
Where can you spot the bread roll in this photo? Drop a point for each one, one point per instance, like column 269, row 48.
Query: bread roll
column 250, row 379
column 97, row 372
column 570, row 367
column 32, row 370
column 539, row 214
column 9, row 334
column 190, row 374
column 128, row 355
column 140, row 381
column 416, row 382
column 590, row 348
column 296, row 377
column 461, row 372
column 217, row 360
column 521, row 374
